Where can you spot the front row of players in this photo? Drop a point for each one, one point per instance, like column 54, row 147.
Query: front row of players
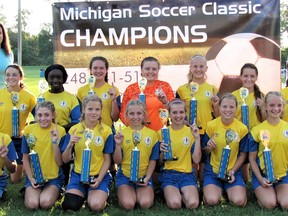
column 177, row 177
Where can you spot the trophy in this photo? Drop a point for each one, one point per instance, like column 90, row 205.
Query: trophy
column 135, row 158
column 244, row 92
column 86, row 157
column 193, row 103
column 15, row 114
column 165, row 132
column 265, row 138
column 91, row 81
column 222, row 172
column 42, row 86
column 34, row 160
column 142, row 84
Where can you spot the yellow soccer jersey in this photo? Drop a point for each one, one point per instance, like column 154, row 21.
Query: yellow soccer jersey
column 285, row 96
column 181, row 144
column 278, row 145
column 250, row 101
column 204, row 104
column 149, row 139
column 217, row 129
column 66, row 105
column 101, row 92
column 101, row 144
column 12, row 155
column 44, row 147
column 25, row 105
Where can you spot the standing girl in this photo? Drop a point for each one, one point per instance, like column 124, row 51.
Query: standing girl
column 268, row 193
column 14, row 76
column 44, row 138
column 101, row 147
column 131, row 193
column 178, row 178
column 213, row 143
column 158, row 93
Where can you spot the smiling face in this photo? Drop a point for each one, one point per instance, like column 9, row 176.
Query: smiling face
column 227, row 109
column 98, row 70
column 55, row 80
column 274, row 106
column 177, row 114
column 13, row 77
column 136, row 116
column 92, row 111
column 44, row 117
column 150, row 70
column 198, row 68
column 248, row 78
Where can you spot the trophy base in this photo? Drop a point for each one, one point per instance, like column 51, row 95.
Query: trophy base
column 275, row 181
column 90, row 181
column 171, row 159
column 139, row 181
column 41, row 183
column 227, row 178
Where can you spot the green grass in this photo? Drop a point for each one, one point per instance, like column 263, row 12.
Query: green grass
column 13, row 204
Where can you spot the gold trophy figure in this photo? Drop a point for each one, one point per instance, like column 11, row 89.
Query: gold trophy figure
column 91, row 81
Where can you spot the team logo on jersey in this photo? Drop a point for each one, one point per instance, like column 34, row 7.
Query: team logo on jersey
column 208, row 94
column 186, row 141
column 63, row 103
column 98, row 141
column 22, row 107
column 105, row 96
column 285, row 132
column 147, row 141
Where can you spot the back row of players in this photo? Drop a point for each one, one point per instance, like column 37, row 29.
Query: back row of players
column 61, row 111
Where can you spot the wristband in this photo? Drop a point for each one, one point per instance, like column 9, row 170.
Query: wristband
column 55, row 142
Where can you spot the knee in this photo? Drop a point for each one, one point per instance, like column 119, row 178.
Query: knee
column 239, row 202
column 174, row 204
column 127, row 204
column 72, row 202
column 145, row 203
column 269, row 204
column 192, row 204
column 211, row 201
column 284, row 205
column 46, row 203
column 97, row 205
column 32, row 204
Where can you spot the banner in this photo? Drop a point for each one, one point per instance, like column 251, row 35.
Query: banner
column 228, row 33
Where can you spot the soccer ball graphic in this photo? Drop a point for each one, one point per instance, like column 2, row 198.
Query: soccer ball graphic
column 226, row 57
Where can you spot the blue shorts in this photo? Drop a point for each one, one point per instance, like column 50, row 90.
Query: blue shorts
column 17, row 144
column 177, row 179
column 75, row 183
column 256, row 183
column 121, row 179
column 58, row 182
column 211, row 178
column 3, row 184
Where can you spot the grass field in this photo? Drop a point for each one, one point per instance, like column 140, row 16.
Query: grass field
column 13, row 202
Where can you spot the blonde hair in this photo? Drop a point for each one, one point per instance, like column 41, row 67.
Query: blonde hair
column 190, row 75
column 176, row 101
column 139, row 103
column 46, row 104
column 278, row 94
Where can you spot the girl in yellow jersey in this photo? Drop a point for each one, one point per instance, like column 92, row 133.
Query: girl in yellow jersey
column 269, row 194
column 178, row 178
column 14, row 76
column 213, row 143
column 47, row 136
column 257, row 114
column 206, row 96
column 101, row 147
column 131, row 193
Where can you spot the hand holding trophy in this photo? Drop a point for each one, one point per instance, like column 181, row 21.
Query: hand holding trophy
column 34, row 160
column 193, row 103
column 15, row 114
column 165, row 132
column 86, row 157
column 142, row 84
column 135, row 158
column 224, row 161
column 244, row 92
column 268, row 163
